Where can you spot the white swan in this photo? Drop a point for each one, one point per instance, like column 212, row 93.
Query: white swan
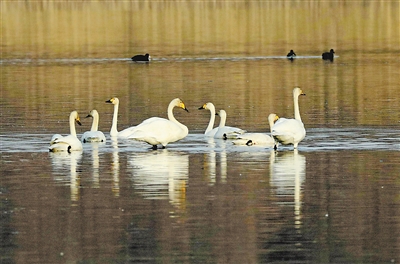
column 263, row 139
column 70, row 142
column 114, row 132
column 226, row 132
column 94, row 135
column 210, row 131
column 290, row 131
column 156, row 130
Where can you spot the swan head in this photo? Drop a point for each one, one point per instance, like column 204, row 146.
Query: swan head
column 272, row 118
column 179, row 103
column 297, row 92
column 221, row 113
column 92, row 113
column 75, row 116
column 113, row 101
column 207, row 106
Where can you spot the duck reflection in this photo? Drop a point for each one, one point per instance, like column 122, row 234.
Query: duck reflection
column 287, row 175
column 63, row 162
column 161, row 175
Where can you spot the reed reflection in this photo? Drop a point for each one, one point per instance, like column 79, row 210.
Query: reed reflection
column 161, row 175
column 63, row 162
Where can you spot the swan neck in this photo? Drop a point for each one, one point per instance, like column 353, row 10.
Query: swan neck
column 171, row 116
column 114, row 131
column 296, row 107
column 95, row 123
column 212, row 120
column 72, row 125
column 271, row 123
column 222, row 121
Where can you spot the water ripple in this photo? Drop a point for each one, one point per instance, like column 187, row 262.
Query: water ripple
column 317, row 139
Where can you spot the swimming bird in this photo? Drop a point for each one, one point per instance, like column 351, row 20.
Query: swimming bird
column 291, row 55
column 70, row 142
column 94, row 135
column 114, row 132
column 157, row 130
column 328, row 55
column 227, row 132
column 145, row 57
column 210, row 131
column 290, row 131
column 251, row 139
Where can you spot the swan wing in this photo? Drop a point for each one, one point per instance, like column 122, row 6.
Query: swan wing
column 288, row 131
column 126, row 132
column 54, row 138
column 229, row 132
column 212, row 132
column 254, row 139
column 158, row 131
column 67, row 143
column 93, row 136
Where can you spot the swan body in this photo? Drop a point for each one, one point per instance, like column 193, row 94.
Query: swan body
column 157, row 130
column 227, row 132
column 210, row 131
column 94, row 135
column 263, row 139
column 114, row 132
column 70, row 142
column 290, row 131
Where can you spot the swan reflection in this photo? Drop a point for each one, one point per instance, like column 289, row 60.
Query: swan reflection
column 161, row 175
column 115, row 166
column 95, row 165
column 210, row 167
column 64, row 162
column 287, row 175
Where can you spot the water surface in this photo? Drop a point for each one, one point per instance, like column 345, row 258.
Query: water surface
column 335, row 199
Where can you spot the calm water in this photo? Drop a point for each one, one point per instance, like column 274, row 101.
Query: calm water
column 334, row 200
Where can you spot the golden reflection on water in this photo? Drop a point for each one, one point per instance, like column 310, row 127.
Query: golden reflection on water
column 363, row 80
column 120, row 29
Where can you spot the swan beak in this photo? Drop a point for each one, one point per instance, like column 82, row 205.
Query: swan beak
column 182, row 105
column 89, row 115
column 204, row 106
column 110, row 101
column 276, row 118
column 78, row 122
